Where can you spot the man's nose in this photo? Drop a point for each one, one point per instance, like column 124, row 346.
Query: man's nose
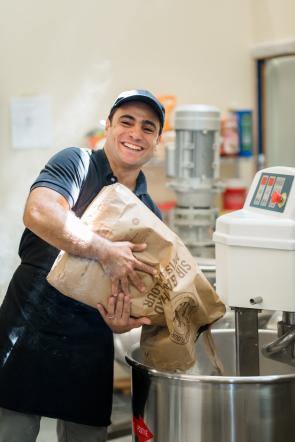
column 136, row 132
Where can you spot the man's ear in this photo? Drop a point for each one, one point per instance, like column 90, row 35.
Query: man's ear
column 159, row 140
column 108, row 124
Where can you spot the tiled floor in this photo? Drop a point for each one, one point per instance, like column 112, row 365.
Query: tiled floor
column 47, row 432
column 124, row 439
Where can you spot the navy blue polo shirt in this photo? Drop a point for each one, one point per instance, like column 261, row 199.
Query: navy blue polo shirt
column 78, row 175
column 56, row 354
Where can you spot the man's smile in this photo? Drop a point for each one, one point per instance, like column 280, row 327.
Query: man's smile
column 132, row 146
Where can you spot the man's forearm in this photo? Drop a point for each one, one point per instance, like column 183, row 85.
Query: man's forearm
column 56, row 224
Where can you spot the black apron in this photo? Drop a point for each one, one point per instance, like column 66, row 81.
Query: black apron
column 56, row 354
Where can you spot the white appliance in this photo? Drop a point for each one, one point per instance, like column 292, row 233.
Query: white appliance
column 255, row 261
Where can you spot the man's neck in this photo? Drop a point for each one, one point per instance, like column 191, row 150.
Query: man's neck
column 125, row 176
column 128, row 178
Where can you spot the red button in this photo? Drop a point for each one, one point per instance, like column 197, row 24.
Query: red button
column 263, row 181
column 276, row 198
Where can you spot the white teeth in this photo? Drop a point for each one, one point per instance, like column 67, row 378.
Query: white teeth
column 132, row 146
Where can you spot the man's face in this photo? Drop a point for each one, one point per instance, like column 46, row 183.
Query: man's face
column 132, row 135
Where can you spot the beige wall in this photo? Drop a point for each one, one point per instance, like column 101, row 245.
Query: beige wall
column 82, row 53
column 273, row 20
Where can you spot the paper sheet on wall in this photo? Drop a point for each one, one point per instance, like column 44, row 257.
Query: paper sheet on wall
column 31, row 122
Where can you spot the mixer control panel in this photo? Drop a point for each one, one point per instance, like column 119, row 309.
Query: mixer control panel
column 272, row 192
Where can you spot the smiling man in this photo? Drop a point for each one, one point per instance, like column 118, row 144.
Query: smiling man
column 56, row 354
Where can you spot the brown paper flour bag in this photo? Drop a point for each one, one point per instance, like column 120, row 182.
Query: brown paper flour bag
column 185, row 315
column 172, row 299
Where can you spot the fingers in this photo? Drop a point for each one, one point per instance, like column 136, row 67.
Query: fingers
column 144, row 321
column 112, row 312
column 111, row 307
column 139, row 265
column 137, row 247
column 117, row 315
column 126, row 310
column 125, row 285
column 102, row 311
column 119, row 307
column 119, row 286
column 115, row 283
column 135, row 323
column 137, row 282
column 122, row 284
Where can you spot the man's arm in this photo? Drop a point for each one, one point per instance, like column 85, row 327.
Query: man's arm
column 48, row 215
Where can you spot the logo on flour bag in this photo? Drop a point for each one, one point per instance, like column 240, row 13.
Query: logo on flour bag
column 168, row 278
column 182, row 330
column 180, row 306
column 153, row 299
column 177, row 268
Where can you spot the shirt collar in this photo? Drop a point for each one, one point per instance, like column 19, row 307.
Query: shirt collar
column 141, row 185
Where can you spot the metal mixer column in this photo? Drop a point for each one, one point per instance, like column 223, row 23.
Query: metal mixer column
column 246, row 337
column 193, row 163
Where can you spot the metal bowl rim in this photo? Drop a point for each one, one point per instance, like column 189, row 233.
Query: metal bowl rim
column 268, row 379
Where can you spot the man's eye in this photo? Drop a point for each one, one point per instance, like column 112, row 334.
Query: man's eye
column 149, row 130
column 126, row 123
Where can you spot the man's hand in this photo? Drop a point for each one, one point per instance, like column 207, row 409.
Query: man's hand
column 117, row 316
column 119, row 263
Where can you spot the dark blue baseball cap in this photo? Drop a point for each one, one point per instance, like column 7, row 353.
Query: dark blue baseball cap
column 143, row 96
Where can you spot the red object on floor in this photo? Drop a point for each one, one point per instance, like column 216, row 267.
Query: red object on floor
column 141, row 430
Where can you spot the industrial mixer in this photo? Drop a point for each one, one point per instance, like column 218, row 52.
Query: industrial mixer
column 255, row 255
column 255, row 399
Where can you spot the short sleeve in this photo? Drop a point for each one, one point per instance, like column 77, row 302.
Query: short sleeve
column 65, row 173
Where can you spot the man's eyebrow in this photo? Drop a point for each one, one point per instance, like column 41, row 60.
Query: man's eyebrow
column 130, row 117
column 127, row 116
column 150, row 123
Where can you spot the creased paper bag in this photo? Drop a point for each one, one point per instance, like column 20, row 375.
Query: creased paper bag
column 179, row 299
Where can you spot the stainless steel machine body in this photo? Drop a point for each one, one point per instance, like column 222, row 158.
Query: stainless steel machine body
column 193, row 164
column 203, row 407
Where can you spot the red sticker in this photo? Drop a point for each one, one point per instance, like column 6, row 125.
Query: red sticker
column 141, row 430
